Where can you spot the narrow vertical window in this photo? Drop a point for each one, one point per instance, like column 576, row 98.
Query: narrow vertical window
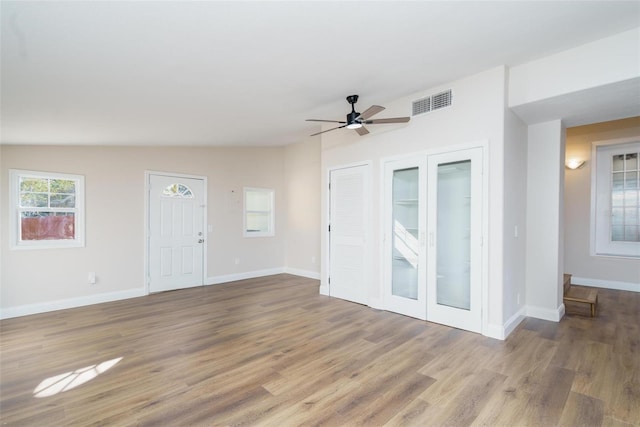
column 258, row 212
column 617, row 200
column 47, row 210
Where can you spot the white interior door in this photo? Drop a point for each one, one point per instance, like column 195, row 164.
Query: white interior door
column 454, row 222
column 349, row 200
column 404, row 237
column 176, row 232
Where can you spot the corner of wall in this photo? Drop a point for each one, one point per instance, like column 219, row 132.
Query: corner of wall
column 502, row 332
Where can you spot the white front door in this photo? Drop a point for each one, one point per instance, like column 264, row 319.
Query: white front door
column 454, row 223
column 176, row 232
column 349, row 202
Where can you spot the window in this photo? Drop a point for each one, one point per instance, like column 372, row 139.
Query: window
column 178, row 191
column 47, row 210
column 258, row 212
column 617, row 200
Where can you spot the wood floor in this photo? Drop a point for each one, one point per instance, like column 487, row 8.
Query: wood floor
column 273, row 352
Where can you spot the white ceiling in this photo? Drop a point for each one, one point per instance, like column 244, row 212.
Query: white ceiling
column 250, row 73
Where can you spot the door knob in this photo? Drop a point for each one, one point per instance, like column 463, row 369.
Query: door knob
column 200, row 240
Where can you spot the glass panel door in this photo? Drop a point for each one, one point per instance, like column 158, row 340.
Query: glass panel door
column 404, row 237
column 404, row 281
column 455, row 238
column 453, row 230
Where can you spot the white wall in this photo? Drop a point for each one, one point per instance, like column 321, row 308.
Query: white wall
column 302, row 183
column 545, row 175
column 592, row 83
column 114, row 177
column 476, row 115
column 587, row 269
column 515, row 221
column 600, row 63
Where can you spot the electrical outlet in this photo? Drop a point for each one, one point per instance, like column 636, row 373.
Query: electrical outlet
column 91, row 277
column 313, row 260
column 237, row 261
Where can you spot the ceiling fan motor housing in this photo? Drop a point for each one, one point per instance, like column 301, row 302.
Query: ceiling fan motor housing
column 352, row 116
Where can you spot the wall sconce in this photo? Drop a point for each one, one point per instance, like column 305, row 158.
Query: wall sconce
column 574, row 163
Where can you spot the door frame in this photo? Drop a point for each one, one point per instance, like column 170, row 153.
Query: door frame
column 147, row 211
column 486, row 153
column 325, row 286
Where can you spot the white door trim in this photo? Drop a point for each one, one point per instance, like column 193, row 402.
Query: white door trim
column 147, row 181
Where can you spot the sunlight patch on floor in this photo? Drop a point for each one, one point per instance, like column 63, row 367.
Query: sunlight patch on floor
column 69, row 380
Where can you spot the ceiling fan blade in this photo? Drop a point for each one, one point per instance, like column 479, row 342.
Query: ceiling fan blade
column 362, row 130
column 389, row 120
column 369, row 112
column 325, row 121
column 318, row 133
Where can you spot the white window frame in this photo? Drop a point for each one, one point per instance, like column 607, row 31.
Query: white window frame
column 15, row 210
column 271, row 231
column 601, row 243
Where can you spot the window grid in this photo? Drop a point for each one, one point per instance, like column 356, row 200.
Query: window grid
column 625, row 197
column 49, row 194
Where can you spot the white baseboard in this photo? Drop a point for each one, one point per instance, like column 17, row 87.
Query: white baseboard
column 216, row 280
column 606, row 284
column 43, row 307
column 513, row 322
column 303, row 273
column 494, row 331
column 376, row 303
column 324, row 290
column 25, row 310
column 545, row 313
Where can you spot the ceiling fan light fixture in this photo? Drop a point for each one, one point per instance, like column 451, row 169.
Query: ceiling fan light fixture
column 355, row 125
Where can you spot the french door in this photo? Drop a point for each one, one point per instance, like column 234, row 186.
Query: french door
column 454, row 224
column 404, row 237
column 433, row 220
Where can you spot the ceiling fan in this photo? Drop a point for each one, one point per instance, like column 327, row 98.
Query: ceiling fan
column 357, row 120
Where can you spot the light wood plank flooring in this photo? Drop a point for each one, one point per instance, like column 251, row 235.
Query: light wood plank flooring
column 273, row 352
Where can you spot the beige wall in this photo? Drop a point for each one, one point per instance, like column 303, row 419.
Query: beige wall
column 598, row 270
column 114, row 179
column 302, row 183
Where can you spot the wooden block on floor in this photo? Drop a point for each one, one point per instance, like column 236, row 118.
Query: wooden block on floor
column 583, row 295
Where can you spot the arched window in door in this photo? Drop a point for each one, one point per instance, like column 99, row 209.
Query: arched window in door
column 178, row 190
